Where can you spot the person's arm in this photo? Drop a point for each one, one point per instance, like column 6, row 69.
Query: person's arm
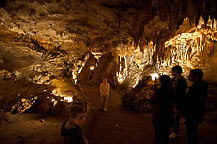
column 180, row 94
column 76, row 137
column 203, row 97
column 153, row 99
column 68, row 139
column 108, row 88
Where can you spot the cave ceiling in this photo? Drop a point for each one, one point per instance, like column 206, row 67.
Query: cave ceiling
column 76, row 27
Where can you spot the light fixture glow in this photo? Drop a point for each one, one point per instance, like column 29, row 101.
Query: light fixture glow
column 154, row 76
column 92, row 68
column 68, row 99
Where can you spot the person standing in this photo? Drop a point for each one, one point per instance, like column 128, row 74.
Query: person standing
column 163, row 112
column 104, row 91
column 195, row 104
column 180, row 86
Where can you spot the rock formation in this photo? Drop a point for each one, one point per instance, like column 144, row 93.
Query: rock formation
column 45, row 41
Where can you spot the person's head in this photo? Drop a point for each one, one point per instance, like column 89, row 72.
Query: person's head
column 195, row 75
column 165, row 81
column 77, row 114
column 176, row 70
column 105, row 80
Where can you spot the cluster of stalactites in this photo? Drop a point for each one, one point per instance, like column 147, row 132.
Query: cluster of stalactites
column 189, row 50
column 175, row 12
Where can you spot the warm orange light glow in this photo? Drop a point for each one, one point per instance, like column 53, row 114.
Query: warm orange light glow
column 92, row 68
column 68, row 99
column 120, row 77
column 154, row 76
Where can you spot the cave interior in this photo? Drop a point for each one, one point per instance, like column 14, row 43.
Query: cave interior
column 51, row 50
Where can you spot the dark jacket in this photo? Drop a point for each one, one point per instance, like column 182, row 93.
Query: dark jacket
column 180, row 87
column 72, row 133
column 195, row 102
column 163, row 112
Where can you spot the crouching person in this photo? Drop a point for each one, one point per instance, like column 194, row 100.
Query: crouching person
column 71, row 130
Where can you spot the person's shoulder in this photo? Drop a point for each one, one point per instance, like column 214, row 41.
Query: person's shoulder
column 158, row 91
column 203, row 83
column 70, row 125
column 182, row 79
column 67, row 127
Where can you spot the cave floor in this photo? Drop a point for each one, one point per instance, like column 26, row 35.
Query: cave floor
column 117, row 126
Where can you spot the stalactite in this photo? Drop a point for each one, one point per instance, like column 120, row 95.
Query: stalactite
column 209, row 47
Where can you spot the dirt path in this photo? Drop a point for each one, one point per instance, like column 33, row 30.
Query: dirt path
column 119, row 126
column 29, row 129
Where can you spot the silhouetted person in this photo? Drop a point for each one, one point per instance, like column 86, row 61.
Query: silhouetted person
column 180, row 86
column 163, row 112
column 195, row 104
column 71, row 130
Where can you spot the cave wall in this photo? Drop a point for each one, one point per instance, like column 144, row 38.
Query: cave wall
column 86, row 73
column 15, row 52
column 106, row 67
column 54, row 31
column 211, row 66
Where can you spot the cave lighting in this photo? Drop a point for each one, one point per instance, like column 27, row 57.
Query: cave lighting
column 122, row 74
column 92, row 68
column 185, row 49
column 76, row 81
column 68, row 99
column 97, row 55
column 137, row 81
column 120, row 77
column 54, row 92
column 154, row 76
column 83, row 63
column 54, row 103
column 74, row 76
